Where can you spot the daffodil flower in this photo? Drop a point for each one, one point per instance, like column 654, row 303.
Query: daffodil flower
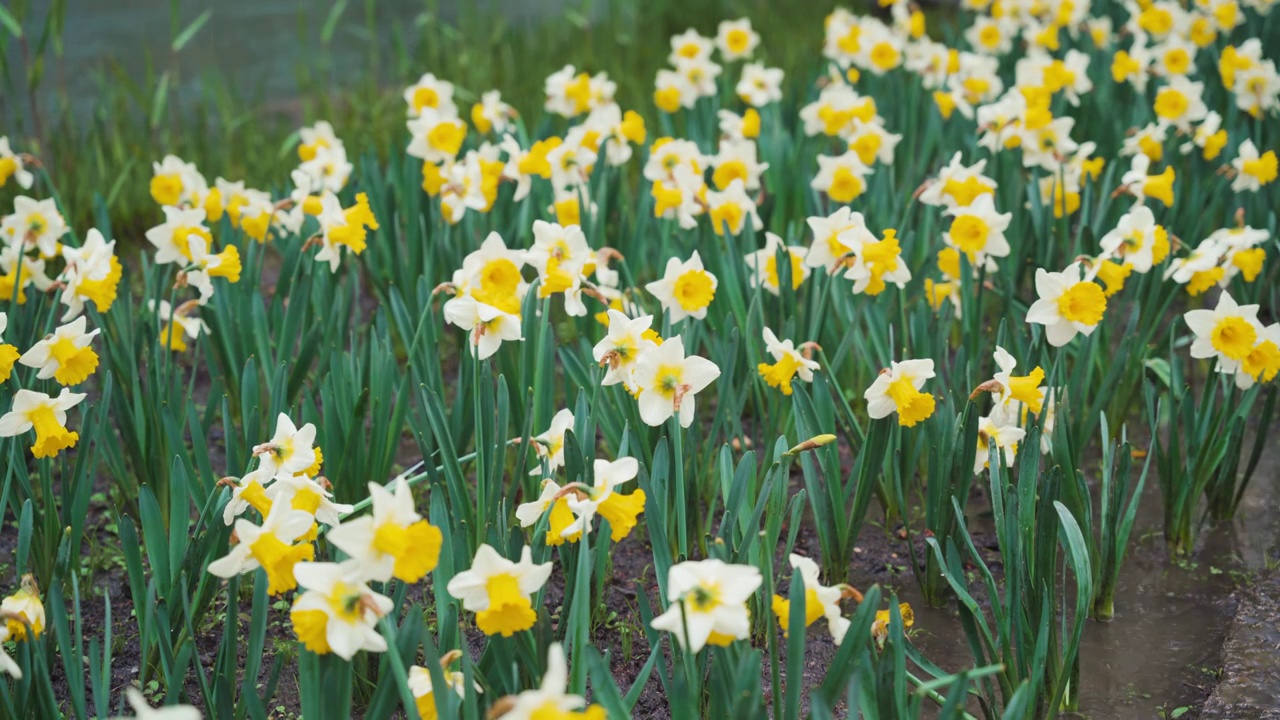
column 764, row 264
column 92, row 274
column 787, row 363
column 623, row 344
column 841, row 177
column 1024, row 389
column 708, row 603
column 835, row 237
column 819, row 601
column 13, row 166
column 430, row 94
column 1253, row 170
column 604, row 499
column 35, row 224
column 1228, row 332
column 175, row 183
column 249, row 491
column 487, row 326
column 176, row 326
column 270, row 546
column 143, row 711
column 562, row 526
column 65, row 355
column 337, row 613
column 686, row 289
column 289, row 451
column 302, row 493
column 47, row 415
column 1069, row 304
column 23, row 610
column 735, row 39
column 423, row 691
column 393, row 540
column 1000, row 427
column 737, row 161
column 898, row 389
column 669, row 381
column 8, row 353
column 499, row 591
column 759, row 85
column 550, row 444
column 1138, row 240
column 551, row 700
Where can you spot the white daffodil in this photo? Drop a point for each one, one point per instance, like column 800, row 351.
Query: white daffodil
column 1228, row 332
column 1068, row 304
column 764, row 264
column 337, row 613
column 551, row 699
column 787, row 363
column 487, row 326
column 270, row 547
column 65, row 355
column 289, row 451
column 898, row 389
column 35, row 224
column 622, row 346
column 499, row 591
column 46, row 415
column 686, row 289
column 708, row 603
column 669, row 381
column 820, row 601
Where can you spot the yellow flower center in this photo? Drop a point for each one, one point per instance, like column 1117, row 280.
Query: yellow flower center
column 693, row 290
column 166, row 189
column 1263, row 362
column 1083, row 302
column 780, row 373
column 509, row 611
column 51, row 436
column 1234, row 337
column 425, row 97
column 771, row 271
column 1171, row 104
column 970, row 232
column 729, row 171
column 278, row 558
column 913, row 406
column 415, row 547
column 74, row 363
column 737, row 41
column 845, row 185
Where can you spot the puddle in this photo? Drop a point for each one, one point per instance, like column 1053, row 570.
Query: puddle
column 1164, row 648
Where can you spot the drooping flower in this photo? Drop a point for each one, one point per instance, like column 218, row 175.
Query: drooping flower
column 708, row 603
column 23, row 610
column 337, row 613
column 819, row 601
column 499, row 591
column 787, row 364
column 47, row 415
